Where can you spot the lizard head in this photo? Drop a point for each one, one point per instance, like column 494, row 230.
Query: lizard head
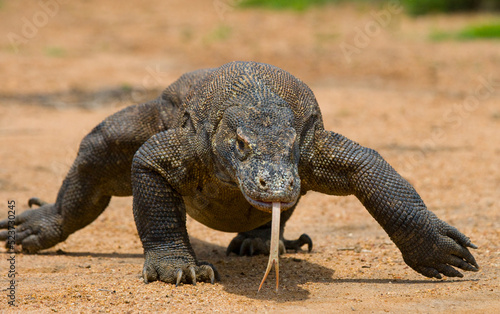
column 255, row 148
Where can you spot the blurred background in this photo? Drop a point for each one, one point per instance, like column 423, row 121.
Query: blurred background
column 92, row 53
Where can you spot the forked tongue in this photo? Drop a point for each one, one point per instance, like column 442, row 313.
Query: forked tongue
column 275, row 241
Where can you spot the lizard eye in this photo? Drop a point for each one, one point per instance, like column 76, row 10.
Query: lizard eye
column 242, row 149
column 241, row 144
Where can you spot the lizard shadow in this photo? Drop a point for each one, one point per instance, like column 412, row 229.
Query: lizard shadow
column 241, row 275
column 93, row 254
column 400, row 281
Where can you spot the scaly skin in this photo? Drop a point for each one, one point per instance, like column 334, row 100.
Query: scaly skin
column 222, row 145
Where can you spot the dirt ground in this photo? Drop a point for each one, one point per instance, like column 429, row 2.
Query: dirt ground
column 432, row 109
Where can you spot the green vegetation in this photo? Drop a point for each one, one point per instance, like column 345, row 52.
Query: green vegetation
column 220, row 33
column 413, row 7
column 483, row 31
column 296, row 5
column 419, row 7
column 126, row 87
column 55, row 52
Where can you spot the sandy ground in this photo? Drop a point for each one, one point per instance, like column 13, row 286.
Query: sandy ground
column 432, row 109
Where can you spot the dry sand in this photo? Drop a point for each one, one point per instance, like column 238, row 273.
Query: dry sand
column 432, row 109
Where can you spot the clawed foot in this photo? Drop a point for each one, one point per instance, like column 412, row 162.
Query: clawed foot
column 250, row 243
column 296, row 245
column 35, row 229
column 177, row 269
column 439, row 252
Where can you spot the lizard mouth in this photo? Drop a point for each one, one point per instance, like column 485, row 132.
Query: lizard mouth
column 267, row 206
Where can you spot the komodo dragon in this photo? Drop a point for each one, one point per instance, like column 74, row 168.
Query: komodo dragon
column 225, row 145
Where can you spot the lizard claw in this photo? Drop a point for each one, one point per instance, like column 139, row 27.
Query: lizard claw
column 244, row 245
column 460, row 238
column 179, row 277
column 297, row 244
column 192, row 275
column 37, row 229
column 36, row 201
column 440, row 251
column 211, row 274
column 175, row 270
column 208, row 271
column 252, row 246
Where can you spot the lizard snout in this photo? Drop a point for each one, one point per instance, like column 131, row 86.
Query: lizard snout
column 270, row 184
column 264, row 183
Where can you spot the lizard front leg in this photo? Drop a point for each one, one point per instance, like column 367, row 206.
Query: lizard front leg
column 335, row 165
column 160, row 213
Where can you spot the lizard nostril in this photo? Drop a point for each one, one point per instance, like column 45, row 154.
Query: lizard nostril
column 290, row 184
column 262, row 182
